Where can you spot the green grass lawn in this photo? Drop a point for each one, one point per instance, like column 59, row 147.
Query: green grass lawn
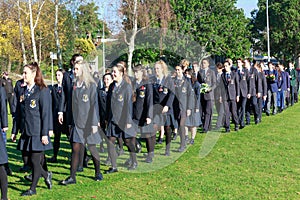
column 259, row 162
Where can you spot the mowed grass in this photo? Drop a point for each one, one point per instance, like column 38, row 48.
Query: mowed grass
column 258, row 162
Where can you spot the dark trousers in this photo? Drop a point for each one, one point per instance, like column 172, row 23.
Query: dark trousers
column 251, row 105
column 230, row 108
column 206, row 114
column 221, row 114
column 241, row 109
column 259, row 107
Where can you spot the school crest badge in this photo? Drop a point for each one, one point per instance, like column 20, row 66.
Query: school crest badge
column 32, row 103
column 120, row 99
column 142, row 94
column 165, row 90
column 85, row 98
column 183, row 89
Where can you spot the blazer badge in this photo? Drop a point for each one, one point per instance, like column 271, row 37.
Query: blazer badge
column 85, row 98
column 33, row 103
column 120, row 98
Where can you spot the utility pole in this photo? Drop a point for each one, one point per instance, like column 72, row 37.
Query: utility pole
column 268, row 30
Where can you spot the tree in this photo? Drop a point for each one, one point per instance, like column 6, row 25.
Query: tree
column 218, row 26
column 284, row 23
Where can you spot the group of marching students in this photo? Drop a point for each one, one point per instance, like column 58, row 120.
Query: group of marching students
column 118, row 108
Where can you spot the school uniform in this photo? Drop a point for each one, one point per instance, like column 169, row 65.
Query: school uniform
column 85, row 114
column 194, row 120
column 264, row 85
column 219, row 104
column 272, row 91
column 3, row 124
column 58, row 97
column 163, row 95
column 102, row 95
column 184, row 101
column 119, row 107
column 229, row 95
column 9, row 89
column 243, row 75
column 283, row 84
column 37, row 109
column 143, row 106
column 254, row 87
column 293, row 82
column 207, row 76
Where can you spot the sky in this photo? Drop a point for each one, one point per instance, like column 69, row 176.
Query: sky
column 114, row 22
column 247, row 5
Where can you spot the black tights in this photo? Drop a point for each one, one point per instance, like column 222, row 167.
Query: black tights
column 168, row 132
column 130, row 143
column 150, row 142
column 3, row 182
column 112, row 151
column 76, row 148
column 37, row 169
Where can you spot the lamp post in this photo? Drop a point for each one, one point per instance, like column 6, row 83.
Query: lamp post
column 268, row 30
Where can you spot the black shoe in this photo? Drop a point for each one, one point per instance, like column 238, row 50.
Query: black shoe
column 98, row 177
column 86, row 161
column 48, row 180
column 25, row 168
column 80, row 169
column 28, row 193
column 149, row 159
column 121, row 152
column 247, row 123
column 187, row 138
column 108, row 162
column 160, row 141
column 133, row 166
column 102, row 150
column 167, row 153
column 174, row 137
column 204, row 131
column 181, row 149
column 8, row 171
column 111, row 170
column 227, row 130
column 52, row 160
column 257, row 121
column 192, row 141
column 128, row 162
column 268, row 114
column 236, row 128
column 68, row 181
column 29, row 177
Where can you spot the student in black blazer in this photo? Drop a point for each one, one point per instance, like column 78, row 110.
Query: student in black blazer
column 119, row 117
column 230, row 96
column 254, row 92
column 3, row 152
column 143, row 109
column 243, row 75
column 37, row 124
column 58, row 97
column 18, row 119
column 163, row 97
column 85, row 120
column 183, row 104
column 207, row 76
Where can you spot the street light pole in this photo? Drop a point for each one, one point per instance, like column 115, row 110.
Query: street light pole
column 103, row 43
column 268, row 30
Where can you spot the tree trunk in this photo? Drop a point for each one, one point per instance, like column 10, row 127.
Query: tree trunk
column 8, row 64
column 35, row 57
column 132, row 38
column 21, row 34
column 59, row 55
